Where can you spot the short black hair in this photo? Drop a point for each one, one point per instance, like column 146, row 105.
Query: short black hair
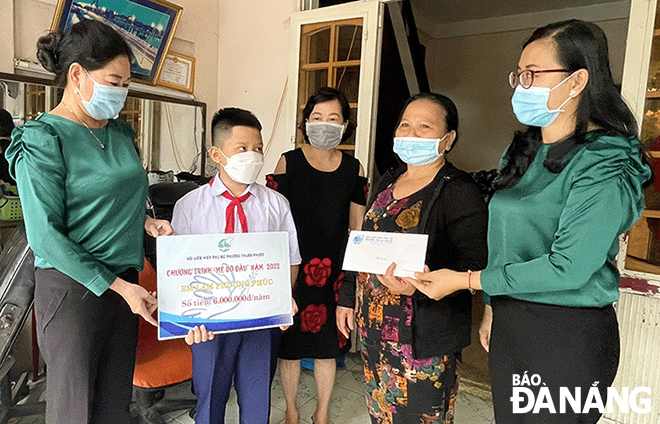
column 451, row 113
column 90, row 43
column 6, row 123
column 328, row 94
column 226, row 119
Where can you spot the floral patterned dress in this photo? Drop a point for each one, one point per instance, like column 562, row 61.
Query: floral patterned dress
column 400, row 389
column 320, row 203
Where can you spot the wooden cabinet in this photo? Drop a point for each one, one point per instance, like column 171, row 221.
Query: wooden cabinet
column 643, row 240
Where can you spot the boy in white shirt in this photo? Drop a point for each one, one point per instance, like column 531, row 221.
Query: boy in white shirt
column 233, row 202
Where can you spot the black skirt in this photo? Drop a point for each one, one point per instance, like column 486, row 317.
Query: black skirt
column 548, row 351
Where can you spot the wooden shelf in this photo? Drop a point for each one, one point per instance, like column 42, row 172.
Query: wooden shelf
column 653, row 94
column 347, row 147
column 656, row 32
column 635, row 264
column 651, row 213
column 326, row 65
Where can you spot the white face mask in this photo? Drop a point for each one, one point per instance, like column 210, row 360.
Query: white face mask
column 324, row 135
column 244, row 167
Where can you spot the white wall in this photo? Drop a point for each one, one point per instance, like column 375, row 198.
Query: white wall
column 7, row 36
column 473, row 71
column 197, row 35
column 252, row 65
column 177, row 132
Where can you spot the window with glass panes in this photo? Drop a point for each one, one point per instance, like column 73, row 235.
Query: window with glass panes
column 330, row 57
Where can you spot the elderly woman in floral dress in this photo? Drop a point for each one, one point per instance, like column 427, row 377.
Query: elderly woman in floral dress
column 410, row 343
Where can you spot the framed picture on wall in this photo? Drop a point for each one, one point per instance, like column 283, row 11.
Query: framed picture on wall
column 178, row 72
column 147, row 25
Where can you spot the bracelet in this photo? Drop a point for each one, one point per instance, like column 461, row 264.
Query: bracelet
column 469, row 278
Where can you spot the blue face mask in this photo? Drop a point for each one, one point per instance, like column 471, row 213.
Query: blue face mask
column 417, row 151
column 106, row 101
column 531, row 105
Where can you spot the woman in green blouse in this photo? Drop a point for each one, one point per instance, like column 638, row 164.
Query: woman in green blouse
column 83, row 191
column 568, row 187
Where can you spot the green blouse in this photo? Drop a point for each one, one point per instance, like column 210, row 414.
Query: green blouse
column 552, row 238
column 83, row 206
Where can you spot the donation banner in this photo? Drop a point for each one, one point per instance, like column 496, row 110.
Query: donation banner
column 228, row 282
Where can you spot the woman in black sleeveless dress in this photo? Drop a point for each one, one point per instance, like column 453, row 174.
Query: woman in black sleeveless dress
column 327, row 192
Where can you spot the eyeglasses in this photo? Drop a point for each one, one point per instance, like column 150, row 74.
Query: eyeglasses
column 526, row 77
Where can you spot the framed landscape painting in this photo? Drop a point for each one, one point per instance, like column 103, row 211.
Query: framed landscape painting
column 147, row 26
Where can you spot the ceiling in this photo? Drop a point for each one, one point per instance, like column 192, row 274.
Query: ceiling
column 448, row 11
column 447, row 18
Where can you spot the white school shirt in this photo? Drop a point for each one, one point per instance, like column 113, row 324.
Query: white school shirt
column 203, row 211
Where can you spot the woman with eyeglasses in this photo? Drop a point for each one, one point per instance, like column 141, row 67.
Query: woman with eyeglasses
column 83, row 191
column 569, row 185
column 409, row 342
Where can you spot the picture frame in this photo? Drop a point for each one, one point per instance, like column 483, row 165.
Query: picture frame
column 147, row 26
column 178, row 72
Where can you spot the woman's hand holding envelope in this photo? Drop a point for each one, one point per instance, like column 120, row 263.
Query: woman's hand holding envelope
column 396, row 284
column 443, row 282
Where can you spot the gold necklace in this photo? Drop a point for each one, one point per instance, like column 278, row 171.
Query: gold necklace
column 83, row 122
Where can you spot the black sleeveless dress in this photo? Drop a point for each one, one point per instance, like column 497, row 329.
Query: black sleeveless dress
column 320, row 203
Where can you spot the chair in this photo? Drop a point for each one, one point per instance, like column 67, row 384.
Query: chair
column 16, row 298
column 162, row 197
column 159, row 364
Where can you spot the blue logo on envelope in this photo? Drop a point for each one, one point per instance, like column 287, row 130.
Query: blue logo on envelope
column 225, row 244
column 358, row 239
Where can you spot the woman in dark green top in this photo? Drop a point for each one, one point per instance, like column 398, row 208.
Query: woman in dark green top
column 568, row 187
column 83, row 192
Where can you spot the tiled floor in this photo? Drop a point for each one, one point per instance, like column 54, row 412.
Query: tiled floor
column 347, row 405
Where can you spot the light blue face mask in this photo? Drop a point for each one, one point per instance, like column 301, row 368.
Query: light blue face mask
column 531, row 105
column 418, row 151
column 106, row 101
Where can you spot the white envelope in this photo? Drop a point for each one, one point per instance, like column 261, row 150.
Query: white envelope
column 373, row 252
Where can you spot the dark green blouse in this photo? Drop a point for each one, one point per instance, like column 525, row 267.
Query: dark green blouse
column 552, row 238
column 83, row 206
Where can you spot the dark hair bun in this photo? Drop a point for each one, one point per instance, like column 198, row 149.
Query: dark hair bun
column 47, row 50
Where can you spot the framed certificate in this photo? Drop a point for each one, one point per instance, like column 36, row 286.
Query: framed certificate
column 178, row 72
column 228, row 282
